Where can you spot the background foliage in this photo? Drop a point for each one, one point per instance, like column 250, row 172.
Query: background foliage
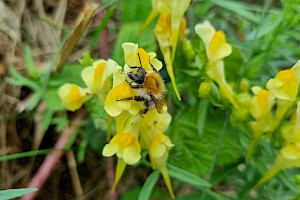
column 209, row 142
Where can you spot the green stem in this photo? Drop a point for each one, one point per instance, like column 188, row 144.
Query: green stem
column 219, row 145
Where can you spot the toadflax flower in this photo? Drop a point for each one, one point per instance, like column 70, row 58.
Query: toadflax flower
column 284, row 86
column 136, row 101
column 126, row 146
column 73, row 96
column 261, row 110
column 97, row 77
column 159, row 152
column 216, row 48
column 289, row 155
column 170, row 27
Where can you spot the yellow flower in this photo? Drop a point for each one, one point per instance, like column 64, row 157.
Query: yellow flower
column 132, row 53
column 289, row 155
column 261, row 110
column 291, row 130
column 126, row 146
column 261, row 103
column 97, row 77
column 170, row 27
column 175, row 10
column 73, row 96
column 153, row 123
column 296, row 69
column 214, row 41
column 128, row 150
column 216, row 49
column 163, row 34
column 159, row 152
column 114, row 107
column 284, row 85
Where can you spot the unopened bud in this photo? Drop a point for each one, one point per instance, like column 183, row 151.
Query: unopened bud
column 204, row 89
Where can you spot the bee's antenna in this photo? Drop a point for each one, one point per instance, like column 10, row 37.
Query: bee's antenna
column 140, row 62
column 153, row 68
column 140, row 59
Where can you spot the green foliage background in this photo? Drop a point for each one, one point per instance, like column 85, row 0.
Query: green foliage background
column 208, row 143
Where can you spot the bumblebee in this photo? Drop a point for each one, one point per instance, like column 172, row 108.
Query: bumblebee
column 150, row 87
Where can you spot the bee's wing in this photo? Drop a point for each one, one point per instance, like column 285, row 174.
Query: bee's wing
column 159, row 103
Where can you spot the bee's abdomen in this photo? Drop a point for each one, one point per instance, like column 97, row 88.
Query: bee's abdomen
column 154, row 84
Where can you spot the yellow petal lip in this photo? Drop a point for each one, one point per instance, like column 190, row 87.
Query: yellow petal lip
column 131, row 156
column 110, row 149
column 218, row 46
column 206, row 32
column 290, row 152
column 73, row 96
column 113, row 106
column 284, row 85
column 126, row 146
column 130, row 54
column 96, row 77
column 135, row 56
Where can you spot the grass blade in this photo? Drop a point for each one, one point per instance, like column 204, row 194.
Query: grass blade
column 188, row 177
column 14, row 193
column 148, row 186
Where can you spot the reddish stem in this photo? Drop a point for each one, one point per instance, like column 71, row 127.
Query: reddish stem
column 51, row 160
column 104, row 52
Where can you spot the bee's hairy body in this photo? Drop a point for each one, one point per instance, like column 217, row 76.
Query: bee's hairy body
column 150, row 88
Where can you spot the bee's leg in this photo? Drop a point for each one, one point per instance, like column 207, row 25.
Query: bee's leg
column 134, row 67
column 135, row 98
column 147, row 106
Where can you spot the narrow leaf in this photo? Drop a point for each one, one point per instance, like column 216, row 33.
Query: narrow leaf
column 202, row 110
column 14, row 193
column 149, row 185
column 29, row 63
column 25, row 154
column 187, row 177
column 238, row 8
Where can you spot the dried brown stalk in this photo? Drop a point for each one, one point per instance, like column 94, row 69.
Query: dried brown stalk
column 83, row 21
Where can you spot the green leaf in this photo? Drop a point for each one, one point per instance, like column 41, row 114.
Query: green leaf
column 133, row 11
column 29, row 63
column 86, row 59
column 82, row 150
column 47, row 119
column 26, row 154
column 69, row 74
column 188, row 177
column 95, row 136
column 233, row 63
column 35, row 99
column 202, row 110
column 96, row 36
column 14, row 193
column 267, row 27
column 130, row 33
column 238, row 8
column 20, row 80
column 60, row 122
column 149, row 185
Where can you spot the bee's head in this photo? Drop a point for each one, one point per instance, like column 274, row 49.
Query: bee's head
column 137, row 75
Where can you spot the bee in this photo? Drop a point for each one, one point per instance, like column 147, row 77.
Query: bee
column 150, row 87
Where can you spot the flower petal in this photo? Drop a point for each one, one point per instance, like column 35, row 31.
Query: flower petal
column 73, row 96
column 218, row 46
column 131, row 155
column 110, row 149
column 206, row 32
